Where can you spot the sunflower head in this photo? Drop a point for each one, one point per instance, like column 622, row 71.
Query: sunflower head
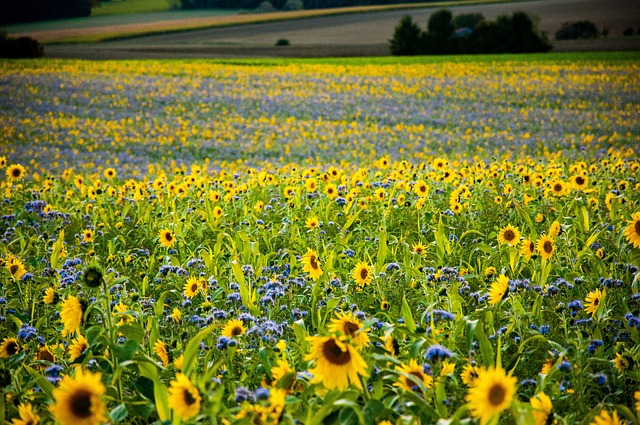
column 509, row 235
column 184, row 397
column 362, row 274
column 348, row 325
column 233, row 329
column 78, row 399
column 413, row 377
column 15, row 172
column 9, row 347
column 337, row 363
column 632, row 231
column 492, row 393
column 92, row 276
column 166, row 238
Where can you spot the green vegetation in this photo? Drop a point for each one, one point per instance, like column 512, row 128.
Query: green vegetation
column 126, row 7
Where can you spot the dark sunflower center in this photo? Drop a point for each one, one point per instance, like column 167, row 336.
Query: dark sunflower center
column 509, row 235
column 330, row 191
column 417, row 375
column 636, row 227
column 497, row 394
column 596, row 302
column 46, row 355
column 12, row 348
column 351, row 328
column 80, row 404
column 548, row 247
column 580, row 180
column 194, row 287
column 557, row 187
column 334, row 354
column 423, row 188
column 313, row 262
column 364, row 273
column 16, row 172
column 168, row 237
column 188, row 398
column 236, row 331
column 14, row 269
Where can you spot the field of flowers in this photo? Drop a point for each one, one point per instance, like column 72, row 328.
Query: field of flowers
column 400, row 242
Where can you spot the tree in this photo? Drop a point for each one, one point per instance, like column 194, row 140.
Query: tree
column 406, row 38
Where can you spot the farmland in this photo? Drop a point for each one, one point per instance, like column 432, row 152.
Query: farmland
column 379, row 241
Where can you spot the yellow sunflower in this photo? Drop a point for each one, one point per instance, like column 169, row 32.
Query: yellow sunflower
column 109, row 173
column 579, row 181
column 498, row 290
column 71, row 314
column 281, row 369
column 45, row 353
column 336, row 363
column 593, row 300
column 15, row 172
column 78, row 347
column 421, row 189
column 50, row 296
column 160, row 348
column 632, row 231
column 78, row 399
column 558, row 187
column 554, row 229
column 15, row 267
column 311, row 264
column 312, row 223
column 347, row 324
column 184, row 397
column 492, row 393
column 636, row 395
column 28, row 416
column 362, row 274
column 233, row 328
column 416, row 371
column 509, row 235
column 87, row 235
column 191, row 287
column 528, row 248
column 545, row 247
column 541, row 405
column 623, row 362
column 331, row 191
column 470, row 374
column 604, row 418
column 419, row 248
column 167, row 238
column 9, row 347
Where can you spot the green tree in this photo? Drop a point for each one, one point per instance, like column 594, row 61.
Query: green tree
column 406, row 38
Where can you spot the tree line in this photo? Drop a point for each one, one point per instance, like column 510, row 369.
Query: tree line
column 17, row 11
column 285, row 4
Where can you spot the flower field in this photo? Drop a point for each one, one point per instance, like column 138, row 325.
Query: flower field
column 403, row 241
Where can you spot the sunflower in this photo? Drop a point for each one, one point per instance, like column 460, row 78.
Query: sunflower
column 71, row 314
column 579, row 181
column 217, row 212
column 331, row 191
column 45, row 353
column 545, row 247
column 348, row 325
column 391, row 345
column 604, row 418
column 416, row 371
column 636, row 395
column 541, row 405
column 623, row 362
column 311, row 264
column 191, row 287
column 498, row 290
column 421, row 189
column 554, row 229
column 109, row 173
column 160, row 348
column 509, row 235
column 492, row 393
column 337, row 363
column 167, row 238
column 528, row 248
column 27, row 415
column 15, row 172
column 3, row 161
column 50, row 296
column 419, row 248
column 289, row 192
column 9, row 347
column 632, row 231
column 439, row 163
column 233, row 328
column 281, row 369
column 15, row 267
column 470, row 374
column 312, row 222
column 362, row 274
column 87, row 235
column 78, row 347
column 593, row 300
column 78, row 400
column 184, row 397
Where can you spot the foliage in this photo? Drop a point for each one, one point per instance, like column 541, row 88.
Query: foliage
column 576, row 30
column 376, row 213
column 22, row 47
column 41, row 10
column 406, row 38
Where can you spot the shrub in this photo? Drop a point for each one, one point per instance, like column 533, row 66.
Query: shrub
column 23, row 47
column 628, row 32
column 282, row 42
column 467, row 20
column 576, row 30
column 406, row 38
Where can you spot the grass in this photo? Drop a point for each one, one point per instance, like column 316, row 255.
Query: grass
column 126, row 7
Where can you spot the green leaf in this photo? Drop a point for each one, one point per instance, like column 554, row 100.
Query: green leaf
column 486, row 350
column 132, row 332
column 119, row 413
column 125, row 351
column 57, row 249
column 144, row 386
column 160, row 391
column 93, row 333
column 46, row 386
column 408, row 316
column 371, row 411
column 382, row 248
column 190, row 353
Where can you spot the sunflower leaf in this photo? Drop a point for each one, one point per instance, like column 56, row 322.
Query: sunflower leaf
column 190, row 353
column 119, row 413
column 408, row 316
column 46, row 386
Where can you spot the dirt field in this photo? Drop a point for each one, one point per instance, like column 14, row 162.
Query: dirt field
column 365, row 34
